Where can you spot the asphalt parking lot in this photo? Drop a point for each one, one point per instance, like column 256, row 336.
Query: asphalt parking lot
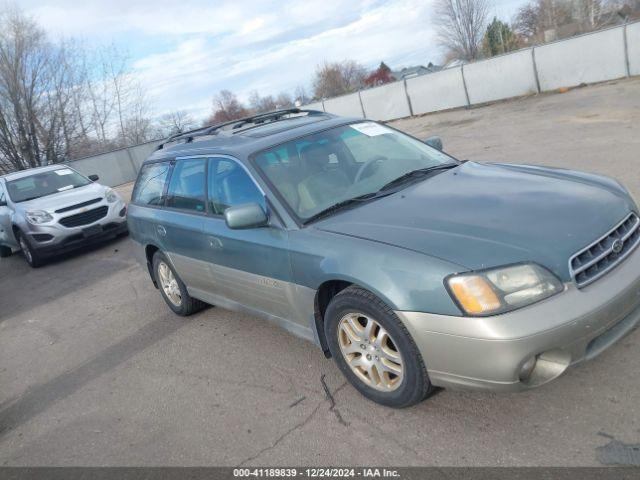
column 96, row 370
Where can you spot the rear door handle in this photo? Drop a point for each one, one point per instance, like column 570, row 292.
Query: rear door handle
column 161, row 231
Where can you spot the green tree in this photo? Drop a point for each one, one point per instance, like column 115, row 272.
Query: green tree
column 499, row 38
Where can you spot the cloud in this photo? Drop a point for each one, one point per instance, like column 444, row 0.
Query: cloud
column 184, row 54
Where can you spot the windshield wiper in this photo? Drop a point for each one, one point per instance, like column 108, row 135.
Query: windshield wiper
column 413, row 174
column 345, row 203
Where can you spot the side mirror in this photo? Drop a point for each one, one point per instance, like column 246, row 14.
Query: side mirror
column 435, row 142
column 93, row 178
column 248, row 215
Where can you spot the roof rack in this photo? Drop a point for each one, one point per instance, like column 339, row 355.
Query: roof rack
column 237, row 124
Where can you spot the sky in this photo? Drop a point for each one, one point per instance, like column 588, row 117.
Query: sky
column 184, row 51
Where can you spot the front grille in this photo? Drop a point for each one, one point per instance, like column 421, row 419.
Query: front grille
column 84, row 218
column 79, row 205
column 592, row 262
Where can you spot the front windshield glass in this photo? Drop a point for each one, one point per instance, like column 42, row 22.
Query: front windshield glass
column 45, row 183
column 313, row 173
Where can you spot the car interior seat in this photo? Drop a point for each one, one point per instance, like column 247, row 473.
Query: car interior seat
column 323, row 181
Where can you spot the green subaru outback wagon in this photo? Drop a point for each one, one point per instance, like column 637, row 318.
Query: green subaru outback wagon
column 411, row 269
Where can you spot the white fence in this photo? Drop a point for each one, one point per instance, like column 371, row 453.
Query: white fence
column 593, row 57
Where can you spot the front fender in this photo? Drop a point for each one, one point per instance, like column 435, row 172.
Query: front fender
column 403, row 279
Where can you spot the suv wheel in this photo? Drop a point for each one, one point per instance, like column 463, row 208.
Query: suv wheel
column 30, row 255
column 5, row 251
column 173, row 289
column 374, row 350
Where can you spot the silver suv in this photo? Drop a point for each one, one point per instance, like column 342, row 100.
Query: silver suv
column 49, row 210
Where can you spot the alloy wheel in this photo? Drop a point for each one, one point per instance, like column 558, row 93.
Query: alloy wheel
column 370, row 352
column 25, row 249
column 169, row 284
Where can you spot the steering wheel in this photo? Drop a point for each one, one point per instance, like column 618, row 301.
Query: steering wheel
column 367, row 165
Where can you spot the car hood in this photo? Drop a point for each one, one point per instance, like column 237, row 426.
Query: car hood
column 483, row 215
column 59, row 200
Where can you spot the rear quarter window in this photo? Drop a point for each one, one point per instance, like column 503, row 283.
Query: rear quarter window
column 150, row 187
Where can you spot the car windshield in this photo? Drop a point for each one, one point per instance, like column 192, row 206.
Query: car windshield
column 315, row 172
column 45, row 183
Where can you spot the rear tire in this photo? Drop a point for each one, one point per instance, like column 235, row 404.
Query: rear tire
column 28, row 252
column 173, row 290
column 374, row 350
column 5, row 251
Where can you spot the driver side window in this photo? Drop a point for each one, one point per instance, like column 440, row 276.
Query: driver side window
column 229, row 185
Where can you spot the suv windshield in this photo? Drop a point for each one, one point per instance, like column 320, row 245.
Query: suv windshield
column 46, row 183
column 316, row 172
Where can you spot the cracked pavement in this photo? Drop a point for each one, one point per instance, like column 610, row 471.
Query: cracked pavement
column 95, row 369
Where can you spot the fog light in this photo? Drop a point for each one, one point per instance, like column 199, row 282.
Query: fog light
column 42, row 237
column 527, row 368
column 123, row 211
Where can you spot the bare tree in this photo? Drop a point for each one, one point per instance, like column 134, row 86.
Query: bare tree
column 41, row 95
column 541, row 20
column 57, row 102
column 300, row 95
column 226, row 107
column 283, row 100
column 179, row 121
column 137, row 125
column 461, row 25
column 338, row 78
column 260, row 104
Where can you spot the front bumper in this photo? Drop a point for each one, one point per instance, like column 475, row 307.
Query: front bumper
column 53, row 238
column 489, row 353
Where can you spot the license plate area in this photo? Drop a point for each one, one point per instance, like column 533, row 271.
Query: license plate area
column 92, row 231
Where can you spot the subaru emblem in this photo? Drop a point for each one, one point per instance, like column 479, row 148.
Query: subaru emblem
column 617, row 245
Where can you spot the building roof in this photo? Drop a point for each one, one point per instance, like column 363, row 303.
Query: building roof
column 415, row 71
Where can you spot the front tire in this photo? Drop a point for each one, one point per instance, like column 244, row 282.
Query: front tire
column 28, row 252
column 374, row 350
column 172, row 289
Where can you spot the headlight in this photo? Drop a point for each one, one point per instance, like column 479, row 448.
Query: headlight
column 38, row 216
column 111, row 195
column 500, row 290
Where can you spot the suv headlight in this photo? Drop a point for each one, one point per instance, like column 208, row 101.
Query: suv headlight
column 38, row 216
column 111, row 195
column 502, row 289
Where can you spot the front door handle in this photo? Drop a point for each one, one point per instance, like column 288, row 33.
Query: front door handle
column 162, row 231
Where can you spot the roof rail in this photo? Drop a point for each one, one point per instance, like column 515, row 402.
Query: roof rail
column 237, row 124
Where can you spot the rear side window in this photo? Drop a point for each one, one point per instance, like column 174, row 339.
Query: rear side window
column 186, row 187
column 229, row 185
column 150, row 187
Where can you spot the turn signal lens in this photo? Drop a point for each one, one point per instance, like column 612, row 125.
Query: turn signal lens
column 474, row 294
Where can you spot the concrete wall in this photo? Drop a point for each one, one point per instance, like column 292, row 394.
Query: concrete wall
column 346, row 105
column 386, row 102
column 633, row 48
column 116, row 167
column 586, row 59
column 437, row 91
column 501, row 77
